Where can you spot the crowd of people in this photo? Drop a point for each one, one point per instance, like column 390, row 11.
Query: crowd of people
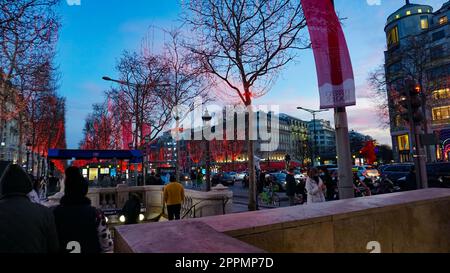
column 29, row 227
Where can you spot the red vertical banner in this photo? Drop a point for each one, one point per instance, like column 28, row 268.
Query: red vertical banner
column 333, row 63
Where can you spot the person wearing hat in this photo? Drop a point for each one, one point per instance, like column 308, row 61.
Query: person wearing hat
column 25, row 227
column 81, row 227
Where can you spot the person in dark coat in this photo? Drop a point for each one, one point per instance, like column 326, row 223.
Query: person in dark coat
column 77, row 221
column 25, row 227
column 132, row 209
column 151, row 180
column 291, row 187
column 328, row 181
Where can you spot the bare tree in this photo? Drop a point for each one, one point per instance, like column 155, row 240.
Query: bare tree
column 412, row 60
column 245, row 44
column 185, row 81
column 102, row 130
column 137, row 99
column 27, row 35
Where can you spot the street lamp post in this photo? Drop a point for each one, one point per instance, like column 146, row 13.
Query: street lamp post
column 138, row 87
column 206, row 119
column 314, row 113
column 28, row 145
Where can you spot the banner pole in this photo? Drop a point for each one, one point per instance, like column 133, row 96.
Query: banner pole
column 344, row 160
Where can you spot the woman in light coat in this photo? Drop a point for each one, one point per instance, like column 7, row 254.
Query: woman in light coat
column 315, row 187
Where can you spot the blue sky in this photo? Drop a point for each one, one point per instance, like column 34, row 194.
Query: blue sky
column 95, row 33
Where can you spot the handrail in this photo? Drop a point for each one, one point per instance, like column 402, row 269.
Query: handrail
column 193, row 207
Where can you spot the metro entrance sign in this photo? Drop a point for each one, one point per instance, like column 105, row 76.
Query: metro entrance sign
column 333, row 64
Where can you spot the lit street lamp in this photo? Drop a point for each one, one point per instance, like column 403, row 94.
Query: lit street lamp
column 206, row 119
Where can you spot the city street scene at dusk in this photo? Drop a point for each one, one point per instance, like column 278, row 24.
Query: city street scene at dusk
column 252, row 127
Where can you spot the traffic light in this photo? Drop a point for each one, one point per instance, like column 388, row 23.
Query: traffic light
column 411, row 102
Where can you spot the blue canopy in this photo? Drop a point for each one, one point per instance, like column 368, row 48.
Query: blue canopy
column 135, row 156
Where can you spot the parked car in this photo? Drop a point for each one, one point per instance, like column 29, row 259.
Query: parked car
column 367, row 171
column 438, row 175
column 222, row 178
column 240, row 176
column 397, row 171
column 233, row 175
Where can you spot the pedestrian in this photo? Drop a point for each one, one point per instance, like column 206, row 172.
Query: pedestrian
column 25, row 227
column 328, row 181
column 34, row 194
column 132, row 209
column 315, row 187
column 291, row 186
column 151, row 180
column 199, row 179
column 159, row 180
column 173, row 198
column 78, row 221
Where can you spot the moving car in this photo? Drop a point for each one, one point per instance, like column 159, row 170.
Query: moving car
column 222, row 178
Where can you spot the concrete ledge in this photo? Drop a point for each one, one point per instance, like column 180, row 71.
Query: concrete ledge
column 416, row 221
column 177, row 237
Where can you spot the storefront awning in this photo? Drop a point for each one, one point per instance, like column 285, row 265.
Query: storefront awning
column 133, row 155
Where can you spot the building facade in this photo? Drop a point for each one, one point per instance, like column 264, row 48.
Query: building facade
column 323, row 140
column 9, row 129
column 418, row 47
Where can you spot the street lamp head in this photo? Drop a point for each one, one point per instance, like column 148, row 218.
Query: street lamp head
column 3, row 144
column 106, row 78
column 206, row 116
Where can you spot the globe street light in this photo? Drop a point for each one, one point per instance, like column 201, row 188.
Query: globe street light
column 206, row 119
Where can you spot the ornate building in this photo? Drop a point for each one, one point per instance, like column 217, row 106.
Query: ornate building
column 418, row 47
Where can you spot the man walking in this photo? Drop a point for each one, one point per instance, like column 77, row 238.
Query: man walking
column 173, row 197
column 291, row 187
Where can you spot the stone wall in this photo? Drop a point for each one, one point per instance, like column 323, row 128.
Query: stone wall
column 416, row 221
column 219, row 201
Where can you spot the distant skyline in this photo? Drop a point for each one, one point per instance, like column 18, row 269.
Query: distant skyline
column 94, row 34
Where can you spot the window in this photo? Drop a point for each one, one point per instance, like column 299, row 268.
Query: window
column 424, row 22
column 441, row 94
column 438, row 35
column 419, row 10
column 397, row 16
column 443, row 20
column 441, row 113
column 392, row 37
column 398, row 121
column 403, row 142
column 408, row 12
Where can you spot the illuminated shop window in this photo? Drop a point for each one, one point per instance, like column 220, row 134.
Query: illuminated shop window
column 403, row 142
column 393, row 37
column 441, row 94
column 441, row 113
column 443, row 20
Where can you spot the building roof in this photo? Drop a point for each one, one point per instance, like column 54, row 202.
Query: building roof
column 401, row 12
